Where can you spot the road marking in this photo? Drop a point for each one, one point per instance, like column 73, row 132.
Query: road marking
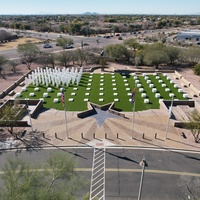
column 114, row 147
column 97, row 187
column 139, row 171
column 125, row 170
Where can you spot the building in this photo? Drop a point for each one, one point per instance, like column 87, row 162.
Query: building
column 193, row 35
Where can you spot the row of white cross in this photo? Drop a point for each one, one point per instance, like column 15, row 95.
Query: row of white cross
column 55, row 76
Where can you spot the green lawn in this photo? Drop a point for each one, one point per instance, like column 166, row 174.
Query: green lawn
column 78, row 104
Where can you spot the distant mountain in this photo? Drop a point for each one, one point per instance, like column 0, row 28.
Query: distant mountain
column 90, row 13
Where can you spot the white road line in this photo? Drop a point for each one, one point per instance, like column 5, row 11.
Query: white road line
column 115, row 147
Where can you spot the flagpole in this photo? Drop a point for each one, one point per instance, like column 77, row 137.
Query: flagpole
column 64, row 102
column 133, row 118
column 133, row 109
column 169, row 116
column 66, row 121
column 29, row 115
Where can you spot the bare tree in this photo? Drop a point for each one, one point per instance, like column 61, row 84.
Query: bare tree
column 9, row 115
column 194, row 124
column 29, row 53
column 80, row 57
column 65, row 57
column 14, row 64
column 3, row 61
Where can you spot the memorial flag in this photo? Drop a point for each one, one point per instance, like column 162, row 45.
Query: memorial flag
column 63, row 97
column 133, row 95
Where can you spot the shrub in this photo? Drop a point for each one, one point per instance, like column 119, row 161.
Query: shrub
column 196, row 69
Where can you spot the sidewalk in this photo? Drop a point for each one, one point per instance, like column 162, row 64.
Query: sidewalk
column 146, row 125
column 113, row 131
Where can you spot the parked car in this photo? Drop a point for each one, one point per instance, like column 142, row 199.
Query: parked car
column 85, row 44
column 47, row 46
column 69, row 46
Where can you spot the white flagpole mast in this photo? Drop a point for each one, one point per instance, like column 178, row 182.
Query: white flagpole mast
column 66, row 122
column 29, row 115
column 169, row 116
column 133, row 111
column 65, row 114
column 133, row 118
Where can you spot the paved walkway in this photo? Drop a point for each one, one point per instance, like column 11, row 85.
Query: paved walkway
column 104, row 129
column 113, row 131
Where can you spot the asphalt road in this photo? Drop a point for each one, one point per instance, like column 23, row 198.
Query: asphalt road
column 123, row 172
column 92, row 41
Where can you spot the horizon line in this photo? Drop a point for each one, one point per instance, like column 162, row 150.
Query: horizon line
column 95, row 13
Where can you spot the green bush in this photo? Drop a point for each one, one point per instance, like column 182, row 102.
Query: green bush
column 196, row 69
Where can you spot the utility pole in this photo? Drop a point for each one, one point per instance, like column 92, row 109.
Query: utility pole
column 143, row 164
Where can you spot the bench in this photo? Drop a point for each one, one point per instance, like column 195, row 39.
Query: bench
column 175, row 77
column 191, row 93
column 22, row 84
column 11, row 93
column 183, row 85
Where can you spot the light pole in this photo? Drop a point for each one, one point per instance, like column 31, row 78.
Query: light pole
column 169, row 116
column 143, row 164
column 27, row 106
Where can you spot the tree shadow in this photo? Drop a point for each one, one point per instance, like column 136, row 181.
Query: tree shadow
column 182, row 142
column 34, row 142
column 122, row 157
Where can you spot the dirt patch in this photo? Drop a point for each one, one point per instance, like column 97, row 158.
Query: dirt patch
column 15, row 43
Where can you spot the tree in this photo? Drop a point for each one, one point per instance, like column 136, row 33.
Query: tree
column 155, row 54
column 64, row 41
column 80, row 56
column 65, row 57
column 156, row 58
column 10, row 114
column 13, row 64
column 29, row 53
column 118, row 52
column 132, row 44
column 196, row 69
column 194, row 124
column 56, row 179
column 46, row 59
column 3, row 61
column 173, row 53
column 75, row 27
column 190, row 55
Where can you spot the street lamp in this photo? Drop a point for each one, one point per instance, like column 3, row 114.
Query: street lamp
column 143, row 164
column 169, row 116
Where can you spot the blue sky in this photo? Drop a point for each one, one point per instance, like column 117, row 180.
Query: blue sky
column 100, row 6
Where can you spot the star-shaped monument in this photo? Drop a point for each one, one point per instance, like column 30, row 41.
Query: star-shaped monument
column 102, row 115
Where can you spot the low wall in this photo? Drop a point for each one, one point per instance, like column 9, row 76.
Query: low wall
column 188, row 84
column 180, row 102
column 17, row 124
column 91, row 107
column 32, row 102
column 179, row 124
column 101, row 107
column 111, row 110
column 13, row 86
column 86, row 113
column 140, row 71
